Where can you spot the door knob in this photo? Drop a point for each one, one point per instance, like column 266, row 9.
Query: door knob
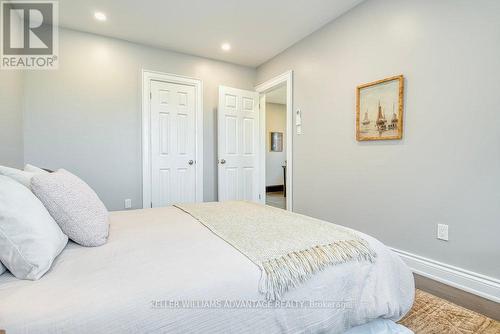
column 222, row 161
column 190, row 162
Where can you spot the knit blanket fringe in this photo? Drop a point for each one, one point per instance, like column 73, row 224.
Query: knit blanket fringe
column 287, row 272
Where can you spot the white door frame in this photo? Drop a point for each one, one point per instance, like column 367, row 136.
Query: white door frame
column 263, row 88
column 147, row 77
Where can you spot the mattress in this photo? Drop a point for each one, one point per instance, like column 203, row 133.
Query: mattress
column 162, row 271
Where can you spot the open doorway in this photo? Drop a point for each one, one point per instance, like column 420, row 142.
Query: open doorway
column 244, row 140
column 276, row 134
column 275, row 123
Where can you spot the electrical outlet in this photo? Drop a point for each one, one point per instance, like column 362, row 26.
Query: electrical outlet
column 128, row 203
column 442, row 232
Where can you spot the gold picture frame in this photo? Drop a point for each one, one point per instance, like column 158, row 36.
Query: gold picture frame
column 373, row 100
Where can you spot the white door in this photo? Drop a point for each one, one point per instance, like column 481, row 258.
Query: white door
column 173, row 144
column 238, row 147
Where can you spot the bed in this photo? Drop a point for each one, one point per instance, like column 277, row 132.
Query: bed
column 162, row 271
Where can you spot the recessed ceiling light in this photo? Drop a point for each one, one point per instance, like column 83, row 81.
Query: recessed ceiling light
column 225, row 46
column 100, row 16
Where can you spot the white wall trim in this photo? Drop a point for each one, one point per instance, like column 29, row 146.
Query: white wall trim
column 262, row 88
column 475, row 283
column 147, row 76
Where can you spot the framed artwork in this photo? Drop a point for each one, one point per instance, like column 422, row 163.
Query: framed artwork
column 276, row 141
column 379, row 109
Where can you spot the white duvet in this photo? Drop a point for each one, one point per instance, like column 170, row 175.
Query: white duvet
column 163, row 272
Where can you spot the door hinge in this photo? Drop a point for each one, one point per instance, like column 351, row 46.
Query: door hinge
column 150, row 95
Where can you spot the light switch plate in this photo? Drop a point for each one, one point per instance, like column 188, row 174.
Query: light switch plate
column 298, row 121
column 128, row 203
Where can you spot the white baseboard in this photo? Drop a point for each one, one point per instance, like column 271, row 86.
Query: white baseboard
column 478, row 284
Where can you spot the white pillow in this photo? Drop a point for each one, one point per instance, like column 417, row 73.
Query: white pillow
column 23, row 177
column 34, row 169
column 30, row 239
column 20, row 176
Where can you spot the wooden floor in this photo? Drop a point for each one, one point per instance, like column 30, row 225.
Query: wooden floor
column 459, row 297
column 276, row 199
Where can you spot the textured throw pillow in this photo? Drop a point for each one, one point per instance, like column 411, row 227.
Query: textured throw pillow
column 74, row 205
column 30, row 239
column 22, row 176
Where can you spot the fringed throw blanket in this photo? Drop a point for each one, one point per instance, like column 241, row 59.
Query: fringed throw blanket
column 287, row 247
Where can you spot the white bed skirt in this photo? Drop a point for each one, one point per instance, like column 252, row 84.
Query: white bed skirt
column 380, row 326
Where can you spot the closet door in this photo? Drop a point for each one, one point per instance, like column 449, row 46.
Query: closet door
column 173, row 144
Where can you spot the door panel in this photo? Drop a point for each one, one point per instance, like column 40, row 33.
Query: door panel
column 248, row 136
column 182, row 134
column 165, row 187
column 248, row 182
column 238, row 133
column 173, row 143
column 164, row 119
column 231, row 178
column 231, row 135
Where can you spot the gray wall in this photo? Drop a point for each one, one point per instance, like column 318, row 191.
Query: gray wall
column 11, row 118
column 447, row 167
column 86, row 116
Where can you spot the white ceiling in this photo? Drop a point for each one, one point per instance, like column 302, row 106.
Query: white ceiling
column 256, row 29
column 277, row 96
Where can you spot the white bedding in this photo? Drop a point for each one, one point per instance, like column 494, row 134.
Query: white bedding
column 165, row 255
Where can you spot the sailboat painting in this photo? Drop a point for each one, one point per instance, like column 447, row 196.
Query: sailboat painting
column 379, row 109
